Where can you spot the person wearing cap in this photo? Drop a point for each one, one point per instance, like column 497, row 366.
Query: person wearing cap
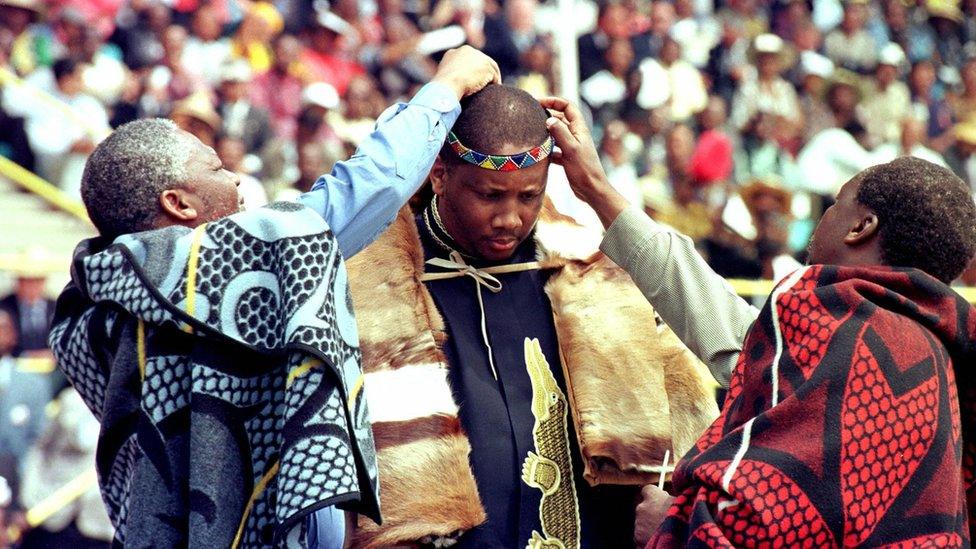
column 30, row 309
column 313, row 130
column 945, row 18
column 962, row 154
column 241, row 118
column 902, row 27
column 850, row 45
column 24, row 392
column 260, row 25
column 767, row 91
column 889, row 101
column 31, row 49
column 964, row 103
column 196, row 115
column 816, row 71
column 326, row 58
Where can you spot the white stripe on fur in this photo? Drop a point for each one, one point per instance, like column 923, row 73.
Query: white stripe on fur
column 408, row 393
column 568, row 241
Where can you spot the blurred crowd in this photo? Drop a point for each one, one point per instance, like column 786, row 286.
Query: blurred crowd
column 734, row 121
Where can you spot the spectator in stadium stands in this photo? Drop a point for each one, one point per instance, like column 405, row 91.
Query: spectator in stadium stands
column 279, row 89
column 62, row 138
column 850, row 45
column 24, row 392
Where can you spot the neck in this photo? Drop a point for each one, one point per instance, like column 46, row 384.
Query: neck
column 439, row 231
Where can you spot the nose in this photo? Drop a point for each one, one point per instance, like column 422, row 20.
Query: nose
column 507, row 220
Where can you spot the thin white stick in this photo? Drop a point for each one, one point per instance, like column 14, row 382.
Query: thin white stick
column 664, row 467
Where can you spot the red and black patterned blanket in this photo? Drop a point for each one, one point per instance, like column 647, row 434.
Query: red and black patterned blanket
column 842, row 425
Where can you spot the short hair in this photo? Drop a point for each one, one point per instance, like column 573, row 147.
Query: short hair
column 63, row 67
column 126, row 173
column 497, row 116
column 926, row 216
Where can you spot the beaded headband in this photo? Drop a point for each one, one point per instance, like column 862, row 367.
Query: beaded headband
column 499, row 162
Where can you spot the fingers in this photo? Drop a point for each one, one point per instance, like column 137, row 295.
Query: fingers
column 565, row 139
column 556, row 156
column 560, row 116
column 554, row 103
column 567, row 112
column 497, row 73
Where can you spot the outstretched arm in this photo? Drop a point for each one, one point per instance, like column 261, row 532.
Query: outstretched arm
column 698, row 304
column 362, row 195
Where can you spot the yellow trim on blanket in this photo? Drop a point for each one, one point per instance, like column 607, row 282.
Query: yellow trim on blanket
column 262, row 484
column 356, row 387
column 191, row 275
column 141, row 348
column 299, row 371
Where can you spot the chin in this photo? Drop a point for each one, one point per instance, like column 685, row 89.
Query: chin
column 491, row 255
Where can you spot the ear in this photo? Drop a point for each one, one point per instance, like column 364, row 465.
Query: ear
column 438, row 176
column 864, row 230
column 177, row 205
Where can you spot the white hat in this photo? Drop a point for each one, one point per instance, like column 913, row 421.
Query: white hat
column 321, row 94
column 768, row 43
column 891, row 54
column 812, row 63
column 333, row 22
column 235, row 71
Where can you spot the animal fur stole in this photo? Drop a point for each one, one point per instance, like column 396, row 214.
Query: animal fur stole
column 635, row 390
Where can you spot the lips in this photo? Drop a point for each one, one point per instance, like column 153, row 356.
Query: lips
column 502, row 244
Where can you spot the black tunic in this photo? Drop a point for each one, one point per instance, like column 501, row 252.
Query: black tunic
column 497, row 415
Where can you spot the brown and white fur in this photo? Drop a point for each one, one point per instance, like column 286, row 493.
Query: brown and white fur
column 629, row 380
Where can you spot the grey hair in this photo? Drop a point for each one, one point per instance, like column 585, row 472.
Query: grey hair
column 126, row 173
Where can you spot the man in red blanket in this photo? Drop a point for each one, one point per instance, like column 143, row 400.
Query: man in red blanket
column 850, row 417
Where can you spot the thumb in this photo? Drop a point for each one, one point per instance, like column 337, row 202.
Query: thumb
column 564, row 138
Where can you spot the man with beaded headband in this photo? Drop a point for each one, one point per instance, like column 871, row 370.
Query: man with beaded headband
column 510, row 407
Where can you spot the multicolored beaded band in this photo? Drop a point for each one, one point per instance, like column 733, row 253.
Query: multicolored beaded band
column 498, row 162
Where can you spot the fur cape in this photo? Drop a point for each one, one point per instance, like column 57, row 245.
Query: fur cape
column 635, row 390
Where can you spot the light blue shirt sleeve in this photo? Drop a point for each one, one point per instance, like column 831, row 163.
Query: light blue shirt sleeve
column 362, row 195
column 326, row 529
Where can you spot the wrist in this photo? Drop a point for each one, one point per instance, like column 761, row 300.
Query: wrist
column 451, row 83
column 605, row 201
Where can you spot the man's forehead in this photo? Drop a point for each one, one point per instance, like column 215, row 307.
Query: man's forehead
column 532, row 178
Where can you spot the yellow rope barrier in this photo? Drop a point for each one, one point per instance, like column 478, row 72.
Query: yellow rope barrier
column 9, row 78
column 53, row 195
column 58, row 500
column 50, row 193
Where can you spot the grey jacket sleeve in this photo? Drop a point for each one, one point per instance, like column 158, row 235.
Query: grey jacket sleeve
column 698, row 304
